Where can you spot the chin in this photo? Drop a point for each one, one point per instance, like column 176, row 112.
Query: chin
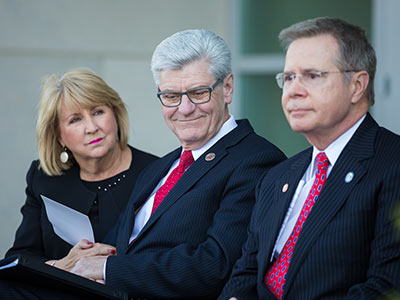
column 297, row 126
column 192, row 143
column 100, row 152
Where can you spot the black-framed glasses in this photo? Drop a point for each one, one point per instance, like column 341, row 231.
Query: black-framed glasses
column 309, row 78
column 196, row 96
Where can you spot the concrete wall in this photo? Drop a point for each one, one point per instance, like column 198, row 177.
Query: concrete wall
column 115, row 39
column 387, row 46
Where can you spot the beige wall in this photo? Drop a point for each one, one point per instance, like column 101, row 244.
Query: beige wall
column 115, row 39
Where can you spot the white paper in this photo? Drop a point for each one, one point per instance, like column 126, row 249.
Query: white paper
column 68, row 224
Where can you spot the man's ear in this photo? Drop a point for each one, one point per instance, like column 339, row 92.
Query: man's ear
column 359, row 83
column 227, row 86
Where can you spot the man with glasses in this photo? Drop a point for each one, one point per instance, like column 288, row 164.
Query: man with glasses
column 187, row 217
column 323, row 222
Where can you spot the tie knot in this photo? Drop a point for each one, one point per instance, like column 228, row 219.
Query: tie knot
column 186, row 159
column 322, row 161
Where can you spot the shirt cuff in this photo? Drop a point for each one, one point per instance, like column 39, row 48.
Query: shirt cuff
column 104, row 269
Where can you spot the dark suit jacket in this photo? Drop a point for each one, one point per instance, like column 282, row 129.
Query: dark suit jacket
column 35, row 235
column 189, row 245
column 347, row 248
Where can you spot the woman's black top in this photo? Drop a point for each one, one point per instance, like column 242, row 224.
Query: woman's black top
column 102, row 201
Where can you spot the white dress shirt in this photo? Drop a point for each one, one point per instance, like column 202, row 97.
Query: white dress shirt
column 305, row 184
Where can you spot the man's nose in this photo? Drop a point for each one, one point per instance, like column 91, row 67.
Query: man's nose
column 295, row 88
column 186, row 106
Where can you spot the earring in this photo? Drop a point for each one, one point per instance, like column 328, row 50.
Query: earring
column 64, row 156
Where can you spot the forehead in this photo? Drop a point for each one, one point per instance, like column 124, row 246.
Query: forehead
column 73, row 107
column 318, row 52
column 195, row 73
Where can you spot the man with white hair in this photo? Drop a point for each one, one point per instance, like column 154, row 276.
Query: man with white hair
column 187, row 217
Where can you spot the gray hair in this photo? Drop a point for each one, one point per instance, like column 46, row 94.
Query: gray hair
column 185, row 47
column 354, row 52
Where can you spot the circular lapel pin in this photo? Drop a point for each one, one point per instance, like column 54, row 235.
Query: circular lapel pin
column 349, row 177
column 210, row 156
column 285, row 188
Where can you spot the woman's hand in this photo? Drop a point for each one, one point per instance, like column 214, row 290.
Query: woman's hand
column 83, row 248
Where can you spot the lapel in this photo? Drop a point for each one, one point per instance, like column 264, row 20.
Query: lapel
column 141, row 192
column 335, row 192
column 153, row 177
column 275, row 214
column 193, row 175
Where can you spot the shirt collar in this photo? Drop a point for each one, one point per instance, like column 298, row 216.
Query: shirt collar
column 227, row 127
column 336, row 147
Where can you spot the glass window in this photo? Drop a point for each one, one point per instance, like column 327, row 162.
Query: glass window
column 262, row 20
column 261, row 104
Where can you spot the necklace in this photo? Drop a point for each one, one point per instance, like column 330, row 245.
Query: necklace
column 111, row 183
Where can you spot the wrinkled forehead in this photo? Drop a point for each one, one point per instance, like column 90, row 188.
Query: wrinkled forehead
column 195, row 73
column 201, row 66
column 312, row 53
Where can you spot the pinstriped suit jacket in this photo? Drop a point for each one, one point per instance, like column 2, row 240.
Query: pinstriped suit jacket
column 189, row 245
column 347, row 248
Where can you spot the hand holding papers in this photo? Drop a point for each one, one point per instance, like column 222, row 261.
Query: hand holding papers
column 76, row 229
column 83, row 249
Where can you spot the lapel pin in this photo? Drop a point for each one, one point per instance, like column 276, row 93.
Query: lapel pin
column 285, row 188
column 210, row 156
column 349, row 177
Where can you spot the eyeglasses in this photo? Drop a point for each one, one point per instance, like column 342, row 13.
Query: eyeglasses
column 196, row 96
column 309, row 78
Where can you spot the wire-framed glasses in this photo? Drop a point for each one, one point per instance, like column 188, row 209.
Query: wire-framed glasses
column 308, row 78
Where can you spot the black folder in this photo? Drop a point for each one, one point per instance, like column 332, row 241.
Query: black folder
column 27, row 269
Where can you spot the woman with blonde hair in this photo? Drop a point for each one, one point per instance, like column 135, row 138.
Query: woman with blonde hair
column 85, row 163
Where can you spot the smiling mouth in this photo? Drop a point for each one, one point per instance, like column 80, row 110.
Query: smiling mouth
column 189, row 120
column 96, row 141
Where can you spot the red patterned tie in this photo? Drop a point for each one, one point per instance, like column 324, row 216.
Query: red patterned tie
column 184, row 163
column 276, row 275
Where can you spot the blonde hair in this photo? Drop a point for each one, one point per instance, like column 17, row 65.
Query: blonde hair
column 77, row 88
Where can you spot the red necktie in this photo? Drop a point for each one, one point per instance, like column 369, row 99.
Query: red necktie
column 184, row 163
column 276, row 275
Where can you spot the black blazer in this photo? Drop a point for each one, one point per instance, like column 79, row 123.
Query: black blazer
column 189, row 245
column 347, row 248
column 35, row 235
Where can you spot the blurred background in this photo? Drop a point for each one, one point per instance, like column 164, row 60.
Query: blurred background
column 116, row 39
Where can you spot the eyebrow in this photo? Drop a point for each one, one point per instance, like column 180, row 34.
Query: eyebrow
column 303, row 71
column 310, row 70
column 68, row 116
column 175, row 91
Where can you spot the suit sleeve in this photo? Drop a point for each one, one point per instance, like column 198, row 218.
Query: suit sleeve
column 198, row 270
column 28, row 237
column 383, row 274
column 242, row 283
